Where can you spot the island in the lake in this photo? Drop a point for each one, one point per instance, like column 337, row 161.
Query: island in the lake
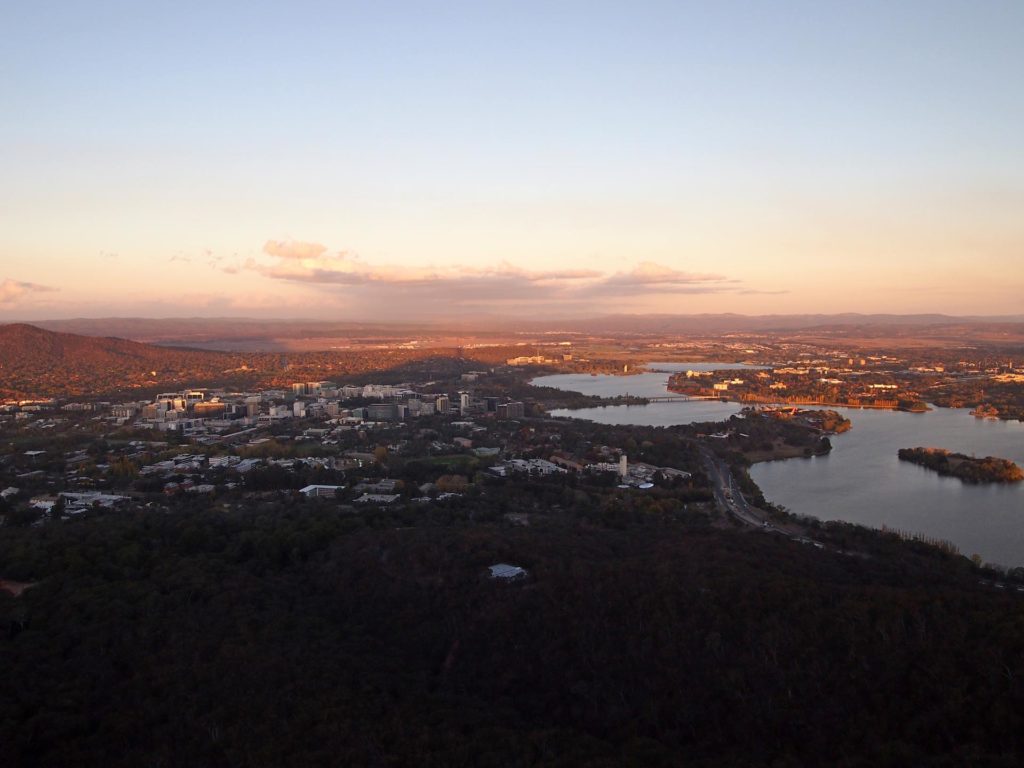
column 968, row 468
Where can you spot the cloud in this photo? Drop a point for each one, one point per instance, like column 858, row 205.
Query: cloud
column 12, row 291
column 312, row 263
column 408, row 289
column 508, row 270
column 648, row 278
column 649, row 273
column 293, row 249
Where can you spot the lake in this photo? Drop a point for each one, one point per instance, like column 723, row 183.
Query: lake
column 861, row 481
column 652, row 384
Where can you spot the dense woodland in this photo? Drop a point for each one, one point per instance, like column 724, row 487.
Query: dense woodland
column 289, row 633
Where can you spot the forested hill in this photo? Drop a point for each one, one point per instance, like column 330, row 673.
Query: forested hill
column 35, row 362
column 301, row 637
column 22, row 344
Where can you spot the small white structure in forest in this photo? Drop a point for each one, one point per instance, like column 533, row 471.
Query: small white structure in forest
column 507, row 572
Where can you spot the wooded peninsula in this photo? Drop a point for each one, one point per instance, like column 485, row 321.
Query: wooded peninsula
column 968, row 468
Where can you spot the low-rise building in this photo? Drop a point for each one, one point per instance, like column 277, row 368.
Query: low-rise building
column 507, row 572
column 321, row 491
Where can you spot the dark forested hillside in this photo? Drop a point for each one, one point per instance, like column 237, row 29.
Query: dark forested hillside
column 307, row 638
column 28, row 345
column 35, row 362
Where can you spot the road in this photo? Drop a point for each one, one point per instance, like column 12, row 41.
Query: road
column 729, row 497
column 727, row 493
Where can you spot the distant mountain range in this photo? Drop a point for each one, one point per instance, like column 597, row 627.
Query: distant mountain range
column 261, row 335
column 735, row 323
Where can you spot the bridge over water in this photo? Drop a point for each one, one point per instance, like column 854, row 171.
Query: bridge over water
column 680, row 398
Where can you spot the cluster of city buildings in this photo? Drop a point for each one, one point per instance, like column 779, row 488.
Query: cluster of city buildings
column 629, row 474
column 343, row 458
column 222, row 415
column 814, row 382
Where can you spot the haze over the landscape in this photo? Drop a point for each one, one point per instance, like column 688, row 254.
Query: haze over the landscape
column 405, row 161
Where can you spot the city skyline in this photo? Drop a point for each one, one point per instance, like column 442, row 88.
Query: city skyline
column 345, row 162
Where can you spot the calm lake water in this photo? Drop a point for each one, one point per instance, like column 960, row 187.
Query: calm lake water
column 643, row 385
column 861, row 481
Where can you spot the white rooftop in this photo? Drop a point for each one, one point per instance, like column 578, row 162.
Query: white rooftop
column 506, row 571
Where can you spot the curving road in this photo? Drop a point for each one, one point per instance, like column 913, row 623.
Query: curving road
column 730, row 498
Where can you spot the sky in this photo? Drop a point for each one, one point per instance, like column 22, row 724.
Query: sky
column 397, row 160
